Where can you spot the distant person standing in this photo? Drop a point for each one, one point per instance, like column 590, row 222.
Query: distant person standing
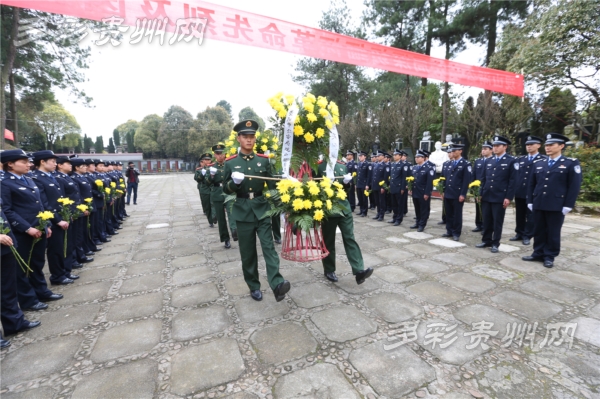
column 478, row 172
column 352, row 167
column 132, row 182
column 458, row 176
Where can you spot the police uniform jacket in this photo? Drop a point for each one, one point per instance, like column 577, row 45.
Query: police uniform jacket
column 352, row 167
column 377, row 175
column 457, row 180
column 397, row 177
column 50, row 192
column 478, row 169
column 524, row 175
column 5, row 224
column 85, row 188
column 21, row 202
column 499, row 180
column 552, row 188
column 245, row 208
column 96, row 193
column 69, row 187
column 362, row 174
column 423, row 183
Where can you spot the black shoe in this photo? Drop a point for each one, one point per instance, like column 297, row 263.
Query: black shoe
column 483, row 245
column 388, row 212
column 89, row 253
column 53, row 297
column 214, row 220
column 64, row 281
column 446, row 235
column 359, row 213
column 396, row 223
column 4, row 343
column 115, row 233
column 256, row 295
column 532, row 259
column 414, row 226
column 364, row 215
column 380, row 219
column 526, row 241
column 97, row 249
column 38, row 306
column 234, row 235
column 375, row 218
column 442, row 222
column 455, row 238
column 363, row 275
column 372, row 207
column 127, row 203
column 87, row 259
column 135, row 203
column 477, row 229
column 98, row 242
column 494, row 249
column 420, row 229
column 227, row 244
column 77, row 265
column 331, row 276
column 282, row 289
column 516, row 238
column 391, row 221
column 277, row 241
column 118, row 228
column 73, row 276
column 549, row 264
column 107, row 240
column 211, row 225
column 31, row 325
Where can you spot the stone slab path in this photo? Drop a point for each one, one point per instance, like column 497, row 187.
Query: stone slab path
column 164, row 312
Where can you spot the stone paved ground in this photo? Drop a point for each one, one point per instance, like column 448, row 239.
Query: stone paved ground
column 164, row 312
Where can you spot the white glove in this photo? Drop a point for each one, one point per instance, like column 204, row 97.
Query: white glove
column 347, row 178
column 566, row 210
column 203, row 172
column 213, row 170
column 530, row 206
column 237, row 177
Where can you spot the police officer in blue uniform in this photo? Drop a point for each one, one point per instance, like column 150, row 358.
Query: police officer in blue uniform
column 378, row 175
column 497, row 191
column 407, row 167
column 98, row 230
column 372, row 197
column 80, row 166
column 397, row 187
column 524, row 216
column 478, row 172
column 458, row 177
column 551, row 195
column 362, row 181
column 350, row 189
column 421, row 189
column 21, row 204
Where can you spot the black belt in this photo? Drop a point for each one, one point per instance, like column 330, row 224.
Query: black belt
column 250, row 195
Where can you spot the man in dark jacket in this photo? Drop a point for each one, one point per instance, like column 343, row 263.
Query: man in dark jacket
column 132, row 182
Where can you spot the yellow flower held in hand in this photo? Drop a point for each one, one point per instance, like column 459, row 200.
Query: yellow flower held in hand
column 82, row 207
column 46, row 215
column 381, row 183
column 366, row 193
column 113, row 184
column 318, row 216
column 107, row 190
column 99, row 183
column 353, row 174
column 309, row 137
column 88, row 200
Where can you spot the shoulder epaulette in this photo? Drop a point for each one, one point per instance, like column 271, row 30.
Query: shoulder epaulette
column 539, row 159
column 231, row 157
column 320, row 162
column 341, row 163
column 573, row 159
column 262, row 155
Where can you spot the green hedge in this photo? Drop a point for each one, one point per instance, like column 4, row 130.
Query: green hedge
column 589, row 157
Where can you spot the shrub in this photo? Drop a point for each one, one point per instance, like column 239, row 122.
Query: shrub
column 589, row 158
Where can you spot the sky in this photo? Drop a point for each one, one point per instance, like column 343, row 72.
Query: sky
column 132, row 81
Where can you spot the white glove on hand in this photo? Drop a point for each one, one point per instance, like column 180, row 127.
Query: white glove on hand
column 237, row 177
column 566, row 210
column 530, row 206
column 347, row 178
column 203, row 172
column 213, row 170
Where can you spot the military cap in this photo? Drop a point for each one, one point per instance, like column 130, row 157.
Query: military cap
column 12, row 155
column 119, row 163
column 63, row 159
column 533, row 140
column 349, row 152
column 219, row 148
column 363, row 153
column 421, row 153
column 205, row 156
column 79, row 161
column 501, row 140
column 397, row 152
column 426, row 153
column 456, row 146
column 43, row 155
column 556, row 138
column 88, row 161
column 488, row 144
column 247, row 126
column 385, row 154
column 99, row 161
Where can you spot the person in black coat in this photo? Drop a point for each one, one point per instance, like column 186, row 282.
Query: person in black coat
column 398, row 172
column 524, row 217
column 378, row 174
column 478, row 171
column 85, row 191
column 497, row 191
column 98, row 230
column 456, row 186
column 421, row 189
column 362, row 181
column 21, row 203
column 50, row 192
column 350, row 189
column 551, row 195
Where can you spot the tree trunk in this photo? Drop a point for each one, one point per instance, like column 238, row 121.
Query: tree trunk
column 7, row 70
column 429, row 36
column 13, row 109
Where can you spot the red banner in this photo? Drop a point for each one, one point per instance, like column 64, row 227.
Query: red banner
column 9, row 135
column 242, row 27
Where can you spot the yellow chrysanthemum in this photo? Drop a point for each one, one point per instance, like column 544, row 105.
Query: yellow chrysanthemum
column 88, row 200
column 289, row 98
column 264, row 147
column 299, row 192
column 341, row 194
column 307, row 204
column 311, row 97
column 107, row 190
column 268, row 195
column 367, row 193
column 329, row 192
column 322, row 102
column 297, row 120
column 46, row 215
column 320, row 133
column 323, row 113
column 113, row 184
column 257, row 135
column 309, row 107
column 298, row 131
column 265, row 140
column 411, row 178
column 274, row 147
column 336, row 120
column 229, row 143
column 329, row 124
column 338, row 185
column 233, row 151
column 318, row 204
column 353, row 174
column 311, row 117
column 285, row 198
column 318, row 215
column 99, row 183
column 82, row 207
column 314, row 190
column 381, row 183
column 309, row 137
column 275, row 140
column 298, row 204
column 325, row 182
column 282, row 113
column 329, row 204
